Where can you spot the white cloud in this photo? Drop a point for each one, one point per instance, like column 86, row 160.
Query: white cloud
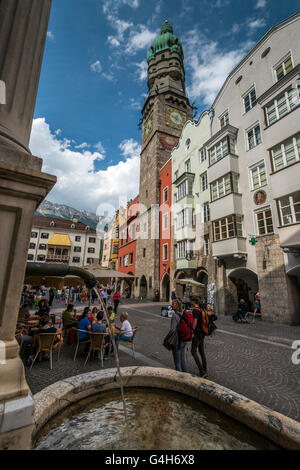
column 50, row 35
column 261, row 4
column 130, row 148
column 142, row 70
column 79, row 184
column 99, row 146
column 96, row 67
column 132, row 3
column 135, row 103
column 140, row 38
column 209, row 65
column 84, row 145
column 258, row 23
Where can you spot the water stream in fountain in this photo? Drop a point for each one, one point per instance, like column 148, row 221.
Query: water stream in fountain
column 117, row 360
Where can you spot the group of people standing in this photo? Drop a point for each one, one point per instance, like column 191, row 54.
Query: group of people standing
column 198, row 336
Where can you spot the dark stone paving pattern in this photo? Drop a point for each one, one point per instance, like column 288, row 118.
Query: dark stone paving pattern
column 262, row 372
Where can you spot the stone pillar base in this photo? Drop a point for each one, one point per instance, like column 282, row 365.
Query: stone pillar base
column 16, row 423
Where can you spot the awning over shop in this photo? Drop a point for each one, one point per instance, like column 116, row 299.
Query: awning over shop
column 102, row 273
column 190, row 282
column 60, row 239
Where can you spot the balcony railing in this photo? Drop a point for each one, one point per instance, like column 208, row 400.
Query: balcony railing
column 58, row 258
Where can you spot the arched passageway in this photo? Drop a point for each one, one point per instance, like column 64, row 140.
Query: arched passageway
column 246, row 283
column 202, row 277
column 165, row 288
column 143, row 287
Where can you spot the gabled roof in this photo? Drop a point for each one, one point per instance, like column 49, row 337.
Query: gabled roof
column 269, row 33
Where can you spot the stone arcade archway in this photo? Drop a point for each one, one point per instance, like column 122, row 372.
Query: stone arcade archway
column 202, row 277
column 143, row 287
column 165, row 288
column 246, row 283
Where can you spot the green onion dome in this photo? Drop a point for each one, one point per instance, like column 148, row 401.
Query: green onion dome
column 166, row 40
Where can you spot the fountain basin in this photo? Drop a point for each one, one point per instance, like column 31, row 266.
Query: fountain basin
column 277, row 429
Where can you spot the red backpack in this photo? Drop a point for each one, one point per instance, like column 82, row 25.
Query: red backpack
column 186, row 331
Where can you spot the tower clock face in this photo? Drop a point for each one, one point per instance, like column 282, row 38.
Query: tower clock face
column 175, row 118
column 148, row 127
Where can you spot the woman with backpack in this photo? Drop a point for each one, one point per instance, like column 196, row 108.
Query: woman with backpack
column 179, row 350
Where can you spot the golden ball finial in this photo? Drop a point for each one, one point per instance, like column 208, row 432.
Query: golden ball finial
column 166, row 21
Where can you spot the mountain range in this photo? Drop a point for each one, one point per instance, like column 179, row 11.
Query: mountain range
column 61, row 211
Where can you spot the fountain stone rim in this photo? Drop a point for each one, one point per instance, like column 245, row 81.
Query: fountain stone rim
column 279, row 429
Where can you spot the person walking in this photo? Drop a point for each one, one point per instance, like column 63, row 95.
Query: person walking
column 51, row 295
column 256, row 304
column 116, row 299
column 198, row 339
column 179, row 350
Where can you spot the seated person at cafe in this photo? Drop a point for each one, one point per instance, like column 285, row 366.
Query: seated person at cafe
column 125, row 332
column 23, row 313
column 68, row 317
column 84, row 325
column 111, row 315
column 98, row 326
column 43, row 307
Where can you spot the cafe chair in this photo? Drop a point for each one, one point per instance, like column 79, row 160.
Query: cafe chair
column 46, row 344
column 97, row 344
column 77, row 342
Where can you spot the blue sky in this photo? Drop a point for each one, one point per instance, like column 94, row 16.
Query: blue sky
column 93, row 82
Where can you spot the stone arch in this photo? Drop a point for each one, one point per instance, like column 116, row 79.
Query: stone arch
column 202, row 277
column 165, row 287
column 143, row 287
column 128, row 286
column 246, row 283
column 179, row 288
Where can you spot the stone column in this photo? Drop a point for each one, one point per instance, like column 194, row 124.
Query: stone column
column 23, row 28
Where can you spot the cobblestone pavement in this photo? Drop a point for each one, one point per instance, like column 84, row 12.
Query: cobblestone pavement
column 253, row 360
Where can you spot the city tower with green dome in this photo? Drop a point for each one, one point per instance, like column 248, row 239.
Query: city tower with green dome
column 165, row 111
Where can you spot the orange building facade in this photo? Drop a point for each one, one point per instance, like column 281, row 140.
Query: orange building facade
column 127, row 246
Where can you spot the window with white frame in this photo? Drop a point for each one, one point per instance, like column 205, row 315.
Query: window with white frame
column 222, row 149
column 184, row 248
column 184, row 189
column 203, row 182
column 165, row 221
column 284, row 104
column 285, row 67
column 206, row 216
column 165, row 194
column 249, row 100
column 224, row 119
column 228, row 227
column 184, row 218
column 258, row 176
column 223, row 186
column 202, row 154
column 188, row 166
column 289, row 207
column 165, row 252
column 286, row 153
column 125, row 260
column 253, row 137
column 264, row 222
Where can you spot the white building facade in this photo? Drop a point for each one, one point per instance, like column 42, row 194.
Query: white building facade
column 63, row 241
column 254, row 178
column 190, row 195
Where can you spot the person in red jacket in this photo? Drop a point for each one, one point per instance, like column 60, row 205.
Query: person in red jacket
column 116, row 300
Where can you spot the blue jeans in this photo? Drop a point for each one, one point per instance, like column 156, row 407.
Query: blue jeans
column 179, row 358
column 123, row 337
